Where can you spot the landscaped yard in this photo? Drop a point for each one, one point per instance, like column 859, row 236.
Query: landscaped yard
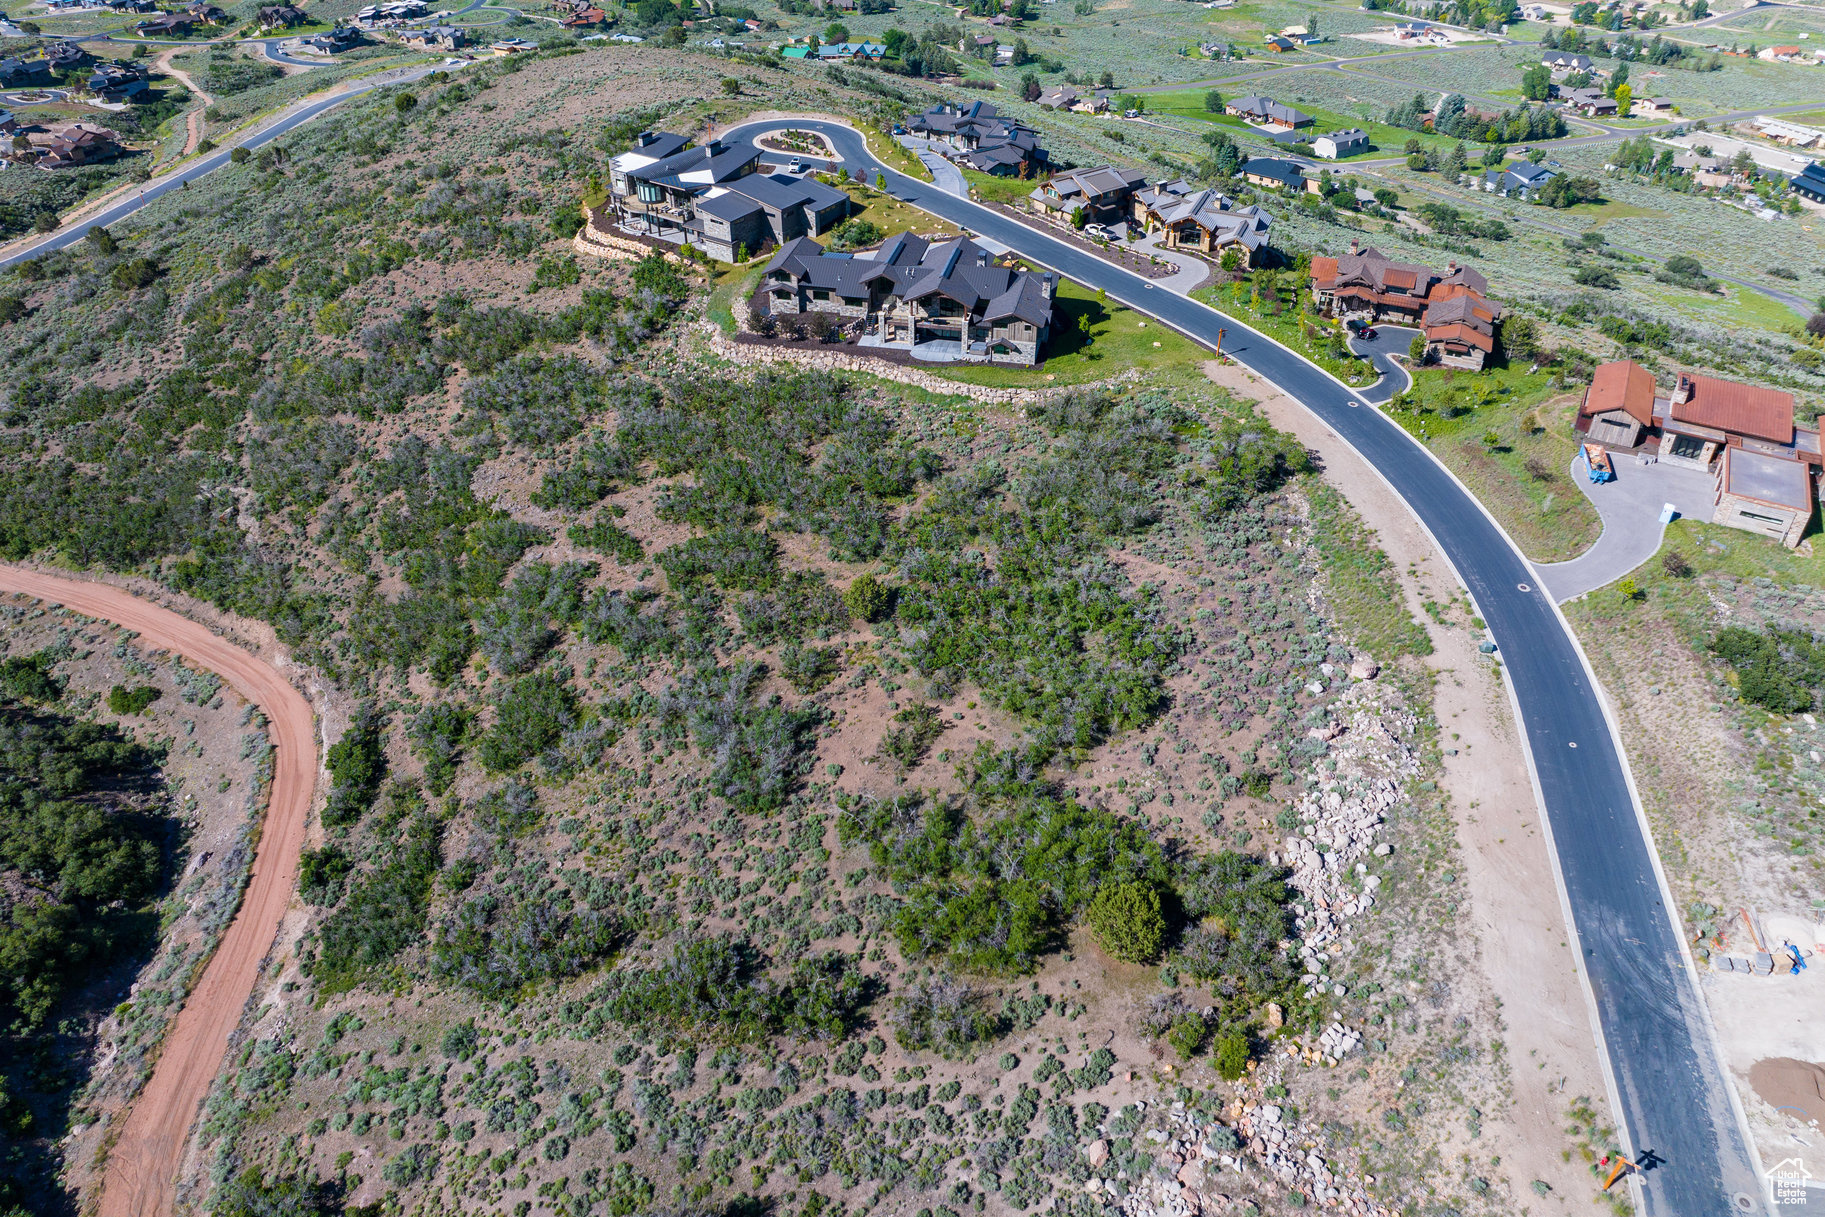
column 1508, row 436
column 1277, row 304
column 1092, row 339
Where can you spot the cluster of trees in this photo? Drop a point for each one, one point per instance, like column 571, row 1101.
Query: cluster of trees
column 84, row 856
column 1628, row 48
column 1521, row 124
column 995, row 892
column 1778, row 669
column 1474, row 14
column 930, row 53
column 1449, row 221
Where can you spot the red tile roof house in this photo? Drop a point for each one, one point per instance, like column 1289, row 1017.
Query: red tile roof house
column 1452, row 309
column 80, row 144
column 1764, row 466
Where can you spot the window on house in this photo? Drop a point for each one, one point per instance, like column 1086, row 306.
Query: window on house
column 1688, row 447
column 818, row 293
column 1776, row 521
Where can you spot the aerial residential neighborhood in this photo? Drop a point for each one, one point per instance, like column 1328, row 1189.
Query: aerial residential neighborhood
column 852, row 608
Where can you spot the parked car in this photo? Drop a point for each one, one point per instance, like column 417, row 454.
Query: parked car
column 797, row 166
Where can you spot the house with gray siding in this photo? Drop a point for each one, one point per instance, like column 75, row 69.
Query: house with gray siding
column 948, row 300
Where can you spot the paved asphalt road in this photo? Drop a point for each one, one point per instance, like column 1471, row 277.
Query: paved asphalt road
column 196, row 169
column 1676, row 1102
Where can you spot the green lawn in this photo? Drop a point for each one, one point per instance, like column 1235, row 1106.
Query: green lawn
column 1116, row 340
column 1384, row 141
column 892, row 216
column 992, row 189
column 1736, row 307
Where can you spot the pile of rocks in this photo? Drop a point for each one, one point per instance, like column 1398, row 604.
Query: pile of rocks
column 1194, row 1157
column 1349, row 791
column 1338, row 1041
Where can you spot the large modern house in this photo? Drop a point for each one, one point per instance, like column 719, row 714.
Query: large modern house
column 1104, row 195
column 1204, row 221
column 1763, row 466
column 1809, row 184
column 982, row 138
column 946, row 301
column 714, row 197
column 1452, row 309
column 1266, row 112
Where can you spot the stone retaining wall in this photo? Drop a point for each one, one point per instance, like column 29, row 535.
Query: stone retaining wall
column 848, row 360
column 597, row 242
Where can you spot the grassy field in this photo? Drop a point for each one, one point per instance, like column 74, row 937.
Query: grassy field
column 992, row 189
column 891, row 215
column 1385, row 141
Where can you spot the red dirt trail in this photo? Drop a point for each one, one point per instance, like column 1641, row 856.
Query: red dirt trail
column 142, row 1168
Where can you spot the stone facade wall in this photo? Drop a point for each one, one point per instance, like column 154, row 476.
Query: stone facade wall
column 1783, row 524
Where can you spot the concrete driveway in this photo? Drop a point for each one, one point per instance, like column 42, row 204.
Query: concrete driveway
column 1632, row 531
column 1389, row 340
column 945, row 176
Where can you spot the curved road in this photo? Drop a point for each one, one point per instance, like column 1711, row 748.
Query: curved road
column 1654, row 1031
column 142, row 1168
column 306, row 110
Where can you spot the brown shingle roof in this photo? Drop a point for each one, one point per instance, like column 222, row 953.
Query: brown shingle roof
column 1623, row 385
column 1738, row 408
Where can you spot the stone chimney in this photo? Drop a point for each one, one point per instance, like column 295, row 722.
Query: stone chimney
column 1451, row 267
column 982, row 257
column 644, row 138
column 1355, row 245
column 1049, row 281
column 1682, row 391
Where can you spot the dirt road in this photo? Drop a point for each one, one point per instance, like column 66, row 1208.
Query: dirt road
column 142, row 1168
column 194, row 121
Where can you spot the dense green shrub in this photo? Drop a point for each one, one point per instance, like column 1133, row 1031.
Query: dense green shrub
column 868, row 598
column 1127, row 921
column 30, row 678
column 251, row 1194
column 530, row 716
column 124, row 701
column 1232, row 1055
column 718, row 986
column 1779, row 670
column 1238, row 915
column 383, row 913
column 357, row 762
column 995, row 893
